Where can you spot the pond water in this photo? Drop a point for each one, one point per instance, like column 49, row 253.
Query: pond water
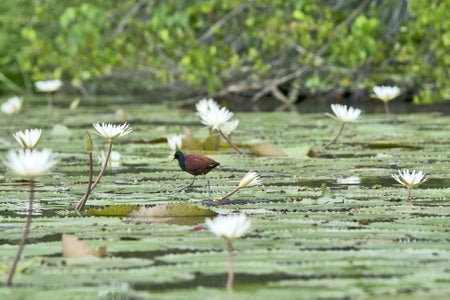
column 331, row 225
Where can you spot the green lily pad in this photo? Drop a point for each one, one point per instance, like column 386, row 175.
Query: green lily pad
column 60, row 130
column 112, row 211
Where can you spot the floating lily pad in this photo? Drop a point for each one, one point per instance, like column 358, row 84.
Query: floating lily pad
column 343, row 241
column 113, row 210
column 72, row 247
column 60, row 130
column 267, row 149
column 190, row 142
column 173, row 213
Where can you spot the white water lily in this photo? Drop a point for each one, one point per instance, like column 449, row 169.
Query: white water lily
column 48, row 86
column 250, row 179
column 111, row 131
column 410, row 179
column 386, row 93
column 12, row 106
column 29, row 138
column 229, row 127
column 345, row 114
column 175, row 141
column 30, row 164
column 205, row 105
column 216, row 118
column 229, row 227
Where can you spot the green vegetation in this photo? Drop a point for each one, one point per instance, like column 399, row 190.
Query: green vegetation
column 298, row 47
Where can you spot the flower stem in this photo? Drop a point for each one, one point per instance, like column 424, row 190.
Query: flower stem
column 230, row 193
column 80, row 205
column 49, row 104
column 230, row 265
column 105, row 164
column 97, row 180
column 336, row 137
column 230, row 142
column 388, row 112
column 408, row 196
column 386, row 108
column 24, row 236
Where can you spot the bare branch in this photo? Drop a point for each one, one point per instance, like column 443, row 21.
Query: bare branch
column 119, row 29
column 222, row 21
column 277, row 81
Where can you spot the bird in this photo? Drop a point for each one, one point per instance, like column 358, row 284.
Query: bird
column 195, row 164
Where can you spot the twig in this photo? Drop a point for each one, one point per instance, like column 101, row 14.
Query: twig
column 280, row 96
column 222, row 21
column 119, row 29
column 322, row 49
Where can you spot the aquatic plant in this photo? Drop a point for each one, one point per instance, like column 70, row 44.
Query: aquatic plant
column 229, row 227
column 386, row 94
column 12, row 106
column 29, row 138
column 250, row 179
column 175, row 142
column 49, row 87
column 343, row 114
column 111, row 132
column 28, row 164
column 218, row 118
column 410, row 179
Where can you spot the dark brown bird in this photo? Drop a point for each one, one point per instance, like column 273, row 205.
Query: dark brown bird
column 195, row 164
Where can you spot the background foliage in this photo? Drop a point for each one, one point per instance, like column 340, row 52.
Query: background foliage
column 287, row 48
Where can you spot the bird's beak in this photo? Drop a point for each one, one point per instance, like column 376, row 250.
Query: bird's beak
column 171, row 160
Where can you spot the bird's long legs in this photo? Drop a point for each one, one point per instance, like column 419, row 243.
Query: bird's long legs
column 190, row 184
column 185, row 187
column 209, row 187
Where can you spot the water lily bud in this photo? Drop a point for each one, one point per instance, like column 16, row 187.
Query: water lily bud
column 88, row 143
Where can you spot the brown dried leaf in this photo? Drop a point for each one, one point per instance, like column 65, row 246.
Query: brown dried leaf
column 72, row 247
column 190, row 141
column 267, row 149
column 212, row 142
column 173, row 213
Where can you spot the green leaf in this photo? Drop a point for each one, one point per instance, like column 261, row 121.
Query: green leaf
column 113, row 210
